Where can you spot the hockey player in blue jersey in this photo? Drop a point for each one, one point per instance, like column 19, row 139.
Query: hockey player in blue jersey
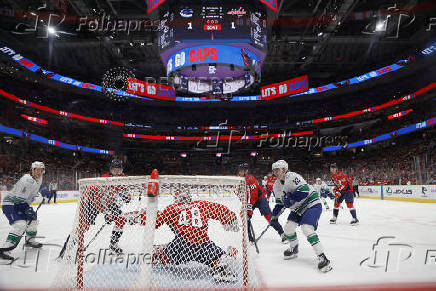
column 303, row 201
column 21, row 216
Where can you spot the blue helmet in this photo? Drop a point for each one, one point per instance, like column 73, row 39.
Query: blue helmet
column 243, row 166
column 333, row 166
column 116, row 164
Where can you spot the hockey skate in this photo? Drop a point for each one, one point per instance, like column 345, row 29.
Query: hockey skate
column 223, row 273
column 32, row 244
column 333, row 220
column 6, row 257
column 354, row 221
column 324, row 264
column 291, row 253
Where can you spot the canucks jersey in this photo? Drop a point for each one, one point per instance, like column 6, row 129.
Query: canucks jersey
column 24, row 191
column 303, row 196
column 322, row 189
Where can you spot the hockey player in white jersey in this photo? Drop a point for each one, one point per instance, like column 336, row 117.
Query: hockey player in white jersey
column 303, row 201
column 323, row 191
column 21, row 216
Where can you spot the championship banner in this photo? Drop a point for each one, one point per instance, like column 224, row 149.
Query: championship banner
column 289, row 87
column 152, row 90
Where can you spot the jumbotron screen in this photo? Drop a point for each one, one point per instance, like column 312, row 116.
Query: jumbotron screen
column 233, row 21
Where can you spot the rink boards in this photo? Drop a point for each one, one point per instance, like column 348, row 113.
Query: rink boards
column 412, row 193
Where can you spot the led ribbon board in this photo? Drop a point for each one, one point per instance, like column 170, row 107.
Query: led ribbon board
column 386, row 136
column 293, row 86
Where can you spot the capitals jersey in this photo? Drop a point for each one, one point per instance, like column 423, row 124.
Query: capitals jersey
column 24, row 191
column 105, row 197
column 270, row 183
column 190, row 219
column 303, row 196
column 342, row 183
column 256, row 192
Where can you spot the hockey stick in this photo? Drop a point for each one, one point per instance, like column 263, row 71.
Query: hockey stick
column 263, row 232
column 28, row 223
column 251, row 231
column 95, row 236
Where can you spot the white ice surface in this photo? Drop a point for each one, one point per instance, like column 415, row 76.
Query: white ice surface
column 412, row 224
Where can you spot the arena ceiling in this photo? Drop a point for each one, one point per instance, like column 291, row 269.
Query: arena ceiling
column 330, row 40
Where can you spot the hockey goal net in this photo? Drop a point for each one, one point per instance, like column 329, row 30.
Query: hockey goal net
column 193, row 234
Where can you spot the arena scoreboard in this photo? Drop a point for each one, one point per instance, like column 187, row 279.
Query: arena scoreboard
column 224, row 42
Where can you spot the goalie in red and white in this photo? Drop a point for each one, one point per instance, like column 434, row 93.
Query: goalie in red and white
column 188, row 220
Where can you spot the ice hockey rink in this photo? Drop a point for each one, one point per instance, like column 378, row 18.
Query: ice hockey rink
column 394, row 243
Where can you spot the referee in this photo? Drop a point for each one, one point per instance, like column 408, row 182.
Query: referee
column 53, row 187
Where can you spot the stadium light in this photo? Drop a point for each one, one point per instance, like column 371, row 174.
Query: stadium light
column 51, row 30
column 381, row 25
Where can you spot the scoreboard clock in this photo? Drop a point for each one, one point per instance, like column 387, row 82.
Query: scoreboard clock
column 233, row 32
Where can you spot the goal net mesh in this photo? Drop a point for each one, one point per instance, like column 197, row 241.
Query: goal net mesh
column 192, row 235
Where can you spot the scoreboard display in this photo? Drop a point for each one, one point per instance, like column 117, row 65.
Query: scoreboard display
column 213, row 46
column 238, row 23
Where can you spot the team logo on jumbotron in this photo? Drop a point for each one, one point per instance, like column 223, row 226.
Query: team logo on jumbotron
column 186, row 12
column 240, row 12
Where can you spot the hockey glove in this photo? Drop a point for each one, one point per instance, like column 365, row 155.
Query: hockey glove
column 25, row 210
column 337, row 194
column 108, row 217
column 287, row 200
column 249, row 211
column 45, row 193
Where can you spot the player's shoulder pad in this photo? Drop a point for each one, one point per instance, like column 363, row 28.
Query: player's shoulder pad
column 27, row 178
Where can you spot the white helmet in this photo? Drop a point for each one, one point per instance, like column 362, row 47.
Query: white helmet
column 280, row 164
column 38, row 165
column 318, row 179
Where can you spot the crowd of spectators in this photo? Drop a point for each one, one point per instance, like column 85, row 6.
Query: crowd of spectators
column 407, row 160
